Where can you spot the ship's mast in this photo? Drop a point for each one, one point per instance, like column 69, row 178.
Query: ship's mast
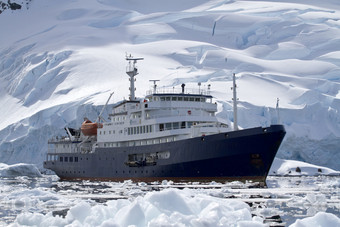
column 235, row 102
column 132, row 71
column 154, row 85
column 278, row 111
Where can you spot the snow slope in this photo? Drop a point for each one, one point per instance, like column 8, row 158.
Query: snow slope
column 59, row 60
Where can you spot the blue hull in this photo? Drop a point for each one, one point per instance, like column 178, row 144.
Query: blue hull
column 239, row 155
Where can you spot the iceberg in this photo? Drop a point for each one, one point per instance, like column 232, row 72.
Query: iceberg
column 20, row 169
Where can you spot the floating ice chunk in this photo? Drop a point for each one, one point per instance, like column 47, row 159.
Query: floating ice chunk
column 29, row 219
column 79, row 212
column 321, row 219
column 20, row 169
column 131, row 215
column 296, row 168
column 169, row 201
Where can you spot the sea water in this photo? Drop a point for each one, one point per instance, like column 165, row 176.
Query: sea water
column 284, row 200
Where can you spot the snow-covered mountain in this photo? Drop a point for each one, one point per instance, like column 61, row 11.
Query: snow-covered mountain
column 59, row 60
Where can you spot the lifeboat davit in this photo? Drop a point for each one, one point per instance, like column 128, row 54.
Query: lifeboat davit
column 89, row 128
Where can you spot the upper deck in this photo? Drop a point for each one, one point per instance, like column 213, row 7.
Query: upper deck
column 167, row 99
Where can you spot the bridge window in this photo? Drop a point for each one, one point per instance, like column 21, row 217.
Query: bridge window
column 168, row 126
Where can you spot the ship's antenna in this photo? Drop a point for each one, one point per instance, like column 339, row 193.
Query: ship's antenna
column 132, row 71
column 154, row 85
column 199, row 87
column 234, row 102
column 278, row 111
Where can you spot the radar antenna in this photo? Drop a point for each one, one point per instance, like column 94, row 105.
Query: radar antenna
column 132, row 71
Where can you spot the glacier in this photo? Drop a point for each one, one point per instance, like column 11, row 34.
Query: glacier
column 59, row 61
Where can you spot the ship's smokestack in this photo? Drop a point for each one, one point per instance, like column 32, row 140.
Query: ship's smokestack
column 183, row 85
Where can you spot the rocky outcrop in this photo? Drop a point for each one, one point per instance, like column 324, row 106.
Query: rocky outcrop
column 11, row 5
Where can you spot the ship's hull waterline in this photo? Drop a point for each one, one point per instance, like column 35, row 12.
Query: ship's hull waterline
column 237, row 155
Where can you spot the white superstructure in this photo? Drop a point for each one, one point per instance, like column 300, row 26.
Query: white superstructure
column 162, row 116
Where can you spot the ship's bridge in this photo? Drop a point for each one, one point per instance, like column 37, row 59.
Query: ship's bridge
column 179, row 100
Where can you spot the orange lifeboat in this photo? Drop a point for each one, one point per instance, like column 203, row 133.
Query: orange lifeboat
column 89, row 128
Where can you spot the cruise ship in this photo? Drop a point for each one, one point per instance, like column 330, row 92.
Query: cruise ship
column 167, row 135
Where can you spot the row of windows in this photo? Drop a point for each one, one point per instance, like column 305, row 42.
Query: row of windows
column 110, row 132
column 179, row 98
column 52, row 157
column 140, row 130
column 63, row 145
column 141, row 142
column 176, row 125
column 68, row 159
column 149, row 129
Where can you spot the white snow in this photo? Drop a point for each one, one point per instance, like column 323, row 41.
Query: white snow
column 60, row 60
